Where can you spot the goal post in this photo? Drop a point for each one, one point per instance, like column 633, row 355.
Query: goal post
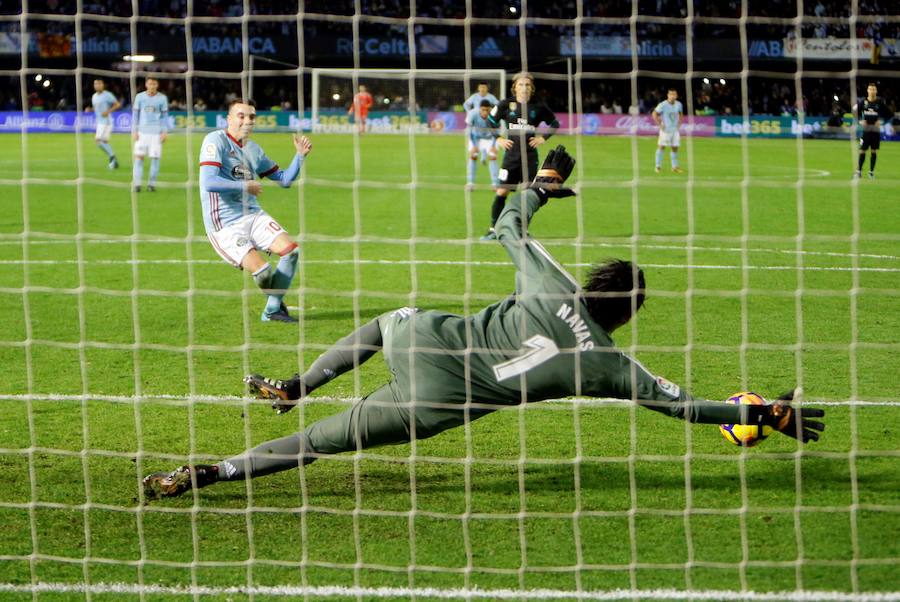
column 396, row 91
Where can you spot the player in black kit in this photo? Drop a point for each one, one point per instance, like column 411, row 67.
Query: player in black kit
column 522, row 120
column 869, row 112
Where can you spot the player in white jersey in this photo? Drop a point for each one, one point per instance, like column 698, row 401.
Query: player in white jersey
column 482, row 143
column 236, row 224
column 149, row 128
column 103, row 103
column 474, row 102
column 668, row 116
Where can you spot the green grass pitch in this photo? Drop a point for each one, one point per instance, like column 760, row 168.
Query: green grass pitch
column 124, row 339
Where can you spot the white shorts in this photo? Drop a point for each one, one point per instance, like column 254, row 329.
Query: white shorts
column 255, row 231
column 486, row 148
column 669, row 139
column 148, row 144
column 103, row 132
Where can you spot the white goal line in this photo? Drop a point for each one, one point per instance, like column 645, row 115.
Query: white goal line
column 331, row 591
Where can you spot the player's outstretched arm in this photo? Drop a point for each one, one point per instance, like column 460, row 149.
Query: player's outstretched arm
column 286, row 177
column 534, row 264
column 780, row 415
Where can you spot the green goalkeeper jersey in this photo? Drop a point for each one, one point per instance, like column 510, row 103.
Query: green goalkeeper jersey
column 539, row 343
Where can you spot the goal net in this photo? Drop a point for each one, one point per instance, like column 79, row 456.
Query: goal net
column 770, row 256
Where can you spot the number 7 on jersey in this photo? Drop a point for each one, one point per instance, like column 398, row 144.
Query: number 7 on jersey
column 539, row 349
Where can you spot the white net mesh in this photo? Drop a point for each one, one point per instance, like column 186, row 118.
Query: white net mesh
column 125, row 336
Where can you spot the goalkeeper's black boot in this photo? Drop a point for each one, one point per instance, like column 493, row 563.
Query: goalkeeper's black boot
column 172, row 484
column 283, row 393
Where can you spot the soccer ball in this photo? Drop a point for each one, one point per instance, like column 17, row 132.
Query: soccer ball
column 745, row 435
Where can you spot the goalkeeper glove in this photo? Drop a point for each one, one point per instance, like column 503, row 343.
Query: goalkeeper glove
column 557, row 166
column 789, row 420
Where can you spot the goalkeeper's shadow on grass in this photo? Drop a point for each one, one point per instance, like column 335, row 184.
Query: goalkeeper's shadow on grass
column 334, row 478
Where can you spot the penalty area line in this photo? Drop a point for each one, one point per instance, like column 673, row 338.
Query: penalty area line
column 332, row 591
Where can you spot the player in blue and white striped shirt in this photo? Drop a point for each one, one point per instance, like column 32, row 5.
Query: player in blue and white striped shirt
column 149, row 128
column 236, row 224
column 104, row 103
column 473, row 102
column 482, row 143
column 668, row 115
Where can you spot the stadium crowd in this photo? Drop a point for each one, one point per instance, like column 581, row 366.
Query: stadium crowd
column 554, row 18
column 829, row 11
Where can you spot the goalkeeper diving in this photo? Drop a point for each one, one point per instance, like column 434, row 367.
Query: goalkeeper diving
column 550, row 339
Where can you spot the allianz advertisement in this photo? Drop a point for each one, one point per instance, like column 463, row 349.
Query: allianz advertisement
column 387, row 122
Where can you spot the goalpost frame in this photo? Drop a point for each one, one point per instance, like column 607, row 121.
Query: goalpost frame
column 466, row 76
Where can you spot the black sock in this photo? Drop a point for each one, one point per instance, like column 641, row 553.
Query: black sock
column 862, row 159
column 872, row 158
column 497, row 208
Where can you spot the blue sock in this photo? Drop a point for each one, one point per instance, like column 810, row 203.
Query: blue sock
column 106, row 148
column 281, row 279
column 659, row 156
column 674, row 160
column 154, row 171
column 137, row 171
column 495, row 171
column 471, row 171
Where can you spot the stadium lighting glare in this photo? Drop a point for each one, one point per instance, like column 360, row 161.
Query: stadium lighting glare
column 335, row 96
column 836, row 98
column 38, row 77
column 513, row 9
column 705, row 80
column 387, row 101
column 139, row 58
column 722, row 81
column 46, row 83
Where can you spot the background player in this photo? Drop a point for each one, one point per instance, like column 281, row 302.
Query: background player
column 149, row 127
column 551, row 339
column 236, row 224
column 103, row 102
column 668, row 116
column 482, row 143
column 475, row 101
column 869, row 113
column 522, row 120
column 359, row 108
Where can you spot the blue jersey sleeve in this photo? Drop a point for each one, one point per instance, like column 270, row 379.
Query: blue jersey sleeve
column 164, row 114
column 135, row 113
column 211, row 151
column 285, row 177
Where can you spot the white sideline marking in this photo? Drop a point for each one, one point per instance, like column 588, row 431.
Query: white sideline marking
column 805, row 268
column 546, row 243
column 584, row 401
column 330, row 591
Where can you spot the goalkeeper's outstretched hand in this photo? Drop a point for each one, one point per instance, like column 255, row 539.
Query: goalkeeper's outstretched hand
column 795, row 422
column 557, row 167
